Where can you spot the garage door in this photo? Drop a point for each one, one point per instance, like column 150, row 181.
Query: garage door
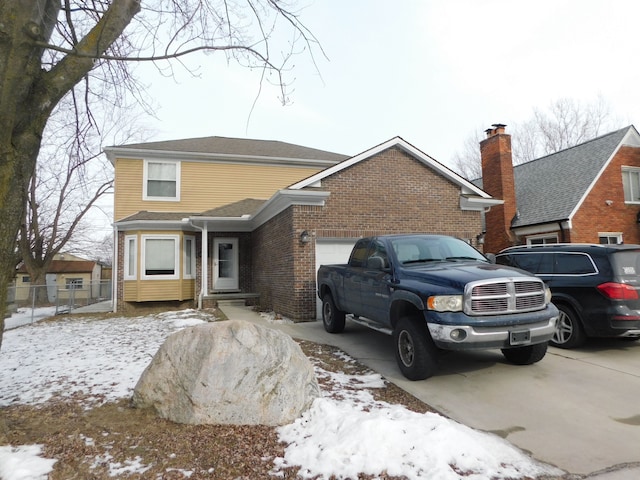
column 329, row 252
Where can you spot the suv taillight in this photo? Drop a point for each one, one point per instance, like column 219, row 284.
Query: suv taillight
column 618, row 291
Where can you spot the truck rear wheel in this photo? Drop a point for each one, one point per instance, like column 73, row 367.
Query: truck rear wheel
column 332, row 318
column 416, row 354
column 525, row 355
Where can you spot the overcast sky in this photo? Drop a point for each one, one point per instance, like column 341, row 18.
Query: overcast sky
column 432, row 72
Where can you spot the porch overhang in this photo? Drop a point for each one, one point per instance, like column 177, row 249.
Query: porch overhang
column 279, row 202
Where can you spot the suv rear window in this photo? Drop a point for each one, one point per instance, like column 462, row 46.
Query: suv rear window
column 626, row 266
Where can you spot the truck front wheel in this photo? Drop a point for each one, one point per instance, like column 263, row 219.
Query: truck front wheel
column 525, row 355
column 332, row 318
column 416, row 354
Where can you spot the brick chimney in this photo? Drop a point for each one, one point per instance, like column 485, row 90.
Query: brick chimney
column 497, row 180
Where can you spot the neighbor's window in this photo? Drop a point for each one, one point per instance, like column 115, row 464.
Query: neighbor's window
column 161, row 180
column 631, row 184
column 26, row 279
column 130, row 257
column 160, row 255
column 610, row 238
column 189, row 257
column 542, row 240
column 73, row 283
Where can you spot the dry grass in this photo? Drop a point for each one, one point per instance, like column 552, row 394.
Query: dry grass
column 86, row 442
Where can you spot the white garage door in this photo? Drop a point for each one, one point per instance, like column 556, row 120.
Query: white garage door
column 329, row 252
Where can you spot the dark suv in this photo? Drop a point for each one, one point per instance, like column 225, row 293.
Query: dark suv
column 595, row 287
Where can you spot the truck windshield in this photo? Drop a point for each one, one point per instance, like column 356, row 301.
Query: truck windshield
column 428, row 248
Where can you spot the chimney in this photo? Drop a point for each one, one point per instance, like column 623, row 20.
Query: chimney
column 497, row 181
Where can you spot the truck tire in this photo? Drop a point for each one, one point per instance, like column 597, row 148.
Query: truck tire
column 332, row 318
column 416, row 354
column 525, row 355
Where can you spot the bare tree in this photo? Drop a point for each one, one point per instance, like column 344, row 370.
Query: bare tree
column 566, row 123
column 48, row 47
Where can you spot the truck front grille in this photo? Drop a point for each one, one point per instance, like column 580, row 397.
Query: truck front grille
column 504, row 295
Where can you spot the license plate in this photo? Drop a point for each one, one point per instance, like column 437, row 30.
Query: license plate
column 520, row 338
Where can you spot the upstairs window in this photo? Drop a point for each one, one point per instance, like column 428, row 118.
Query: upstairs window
column 161, row 180
column 631, row 184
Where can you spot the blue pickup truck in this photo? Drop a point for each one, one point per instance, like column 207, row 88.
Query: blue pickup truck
column 434, row 293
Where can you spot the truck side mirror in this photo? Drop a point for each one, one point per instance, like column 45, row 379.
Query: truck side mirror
column 375, row 263
column 491, row 257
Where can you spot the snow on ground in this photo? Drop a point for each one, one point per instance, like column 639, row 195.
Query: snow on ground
column 105, row 357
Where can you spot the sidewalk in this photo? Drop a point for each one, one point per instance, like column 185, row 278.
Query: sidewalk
column 372, row 349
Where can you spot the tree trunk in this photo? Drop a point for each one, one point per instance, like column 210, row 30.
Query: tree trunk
column 28, row 95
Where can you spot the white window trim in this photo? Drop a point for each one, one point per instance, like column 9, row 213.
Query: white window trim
column 618, row 235
column 193, row 257
column 176, row 257
column 625, row 170
column 127, row 241
column 544, row 235
column 145, row 178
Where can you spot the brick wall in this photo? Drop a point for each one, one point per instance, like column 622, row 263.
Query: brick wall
column 596, row 216
column 388, row 193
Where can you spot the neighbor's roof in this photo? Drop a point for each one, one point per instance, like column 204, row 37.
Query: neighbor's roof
column 230, row 147
column 551, row 188
column 66, row 266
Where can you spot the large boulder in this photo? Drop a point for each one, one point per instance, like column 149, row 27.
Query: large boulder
column 230, row 372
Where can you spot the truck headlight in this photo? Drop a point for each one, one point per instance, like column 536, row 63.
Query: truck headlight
column 445, row 303
column 547, row 295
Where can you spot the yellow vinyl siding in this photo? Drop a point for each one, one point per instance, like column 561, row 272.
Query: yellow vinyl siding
column 203, row 185
column 128, row 187
column 156, row 290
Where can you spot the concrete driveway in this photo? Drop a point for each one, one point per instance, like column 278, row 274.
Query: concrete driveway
column 576, row 409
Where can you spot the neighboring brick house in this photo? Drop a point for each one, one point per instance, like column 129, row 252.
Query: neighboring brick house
column 589, row 193
column 269, row 214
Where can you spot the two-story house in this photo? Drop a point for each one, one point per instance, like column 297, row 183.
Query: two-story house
column 589, row 193
column 205, row 219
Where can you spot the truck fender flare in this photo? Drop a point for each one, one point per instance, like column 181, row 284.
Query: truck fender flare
column 399, row 301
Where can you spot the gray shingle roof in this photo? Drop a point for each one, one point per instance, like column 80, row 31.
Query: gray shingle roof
column 157, row 216
column 248, row 206
column 239, row 146
column 549, row 188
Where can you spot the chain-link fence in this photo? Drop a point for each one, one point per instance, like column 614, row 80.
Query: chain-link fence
column 36, row 301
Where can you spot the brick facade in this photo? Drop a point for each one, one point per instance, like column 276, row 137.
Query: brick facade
column 597, row 215
column 390, row 192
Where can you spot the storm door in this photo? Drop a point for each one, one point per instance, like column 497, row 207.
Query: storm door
column 225, row 264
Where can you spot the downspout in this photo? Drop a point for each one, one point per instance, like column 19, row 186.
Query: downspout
column 114, row 271
column 204, row 248
column 563, row 240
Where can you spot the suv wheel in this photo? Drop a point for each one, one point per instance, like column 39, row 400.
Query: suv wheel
column 569, row 332
column 416, row 354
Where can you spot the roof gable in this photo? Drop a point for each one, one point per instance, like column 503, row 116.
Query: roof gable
column 551, row 188
column 466, row 186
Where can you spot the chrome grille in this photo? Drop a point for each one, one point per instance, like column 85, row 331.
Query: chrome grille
column 504, row 295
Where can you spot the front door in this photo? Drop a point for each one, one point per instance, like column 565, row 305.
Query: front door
column 225, row 264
